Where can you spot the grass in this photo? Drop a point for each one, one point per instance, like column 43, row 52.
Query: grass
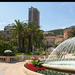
column 27, row 55
column 21, row 54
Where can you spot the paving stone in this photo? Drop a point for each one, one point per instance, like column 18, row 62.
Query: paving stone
column 12, row 68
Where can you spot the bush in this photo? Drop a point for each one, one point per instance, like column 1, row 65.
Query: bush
column 49, row 72
column 34, row 52
column 21, row 54
column 4, row 46
column 14, row 50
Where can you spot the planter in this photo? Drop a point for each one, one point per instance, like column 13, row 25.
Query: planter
column 29, row 72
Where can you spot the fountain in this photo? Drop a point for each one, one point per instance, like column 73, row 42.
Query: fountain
column 63, row 55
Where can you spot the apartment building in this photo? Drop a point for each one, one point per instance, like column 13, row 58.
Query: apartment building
column 34, row 15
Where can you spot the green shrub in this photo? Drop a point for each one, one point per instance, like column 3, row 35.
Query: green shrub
column 21, row 54
column 4, row 46
column 34, row 52
column 14, row 50
column 51, row 72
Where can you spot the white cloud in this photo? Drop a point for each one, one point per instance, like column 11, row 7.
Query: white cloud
column 63, row 27
column 11, row 20
column 2, row 23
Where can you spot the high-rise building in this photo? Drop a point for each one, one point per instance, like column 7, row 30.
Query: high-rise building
column 9, row 31
column 34, row 15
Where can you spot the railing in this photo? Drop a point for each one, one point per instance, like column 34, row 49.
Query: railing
column 2, row 58
column 28, row 57
column 10, row 58
column 19, row 58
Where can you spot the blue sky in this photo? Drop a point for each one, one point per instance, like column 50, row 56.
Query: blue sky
column 53, row 15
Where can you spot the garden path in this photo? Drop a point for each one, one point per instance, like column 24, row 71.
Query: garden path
column 12, row 68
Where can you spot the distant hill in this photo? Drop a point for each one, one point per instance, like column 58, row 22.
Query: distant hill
column 57, row 31
column 71, row 26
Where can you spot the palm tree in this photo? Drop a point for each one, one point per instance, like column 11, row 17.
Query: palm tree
column 24, row 34
column 31, row 34
column 18, row 29
column 40, row 38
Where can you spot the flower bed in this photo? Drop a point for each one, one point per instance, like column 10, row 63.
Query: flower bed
column 36, row 65
column 33, row 68
column 30, row 69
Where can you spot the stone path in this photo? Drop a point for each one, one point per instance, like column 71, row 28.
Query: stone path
column 12, row 68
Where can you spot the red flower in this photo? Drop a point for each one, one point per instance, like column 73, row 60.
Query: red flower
column 68, row 34
column 31, row 67
column 35, row 58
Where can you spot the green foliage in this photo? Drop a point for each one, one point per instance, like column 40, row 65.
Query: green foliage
column 55, row 32
column 56, row 45
column 1, row 38
column 34, row 52
column 42, row 52
column 72, row 32
column 21, row 54
column 14, row 50
column 4, row 46
column 51, row 72
column 36, row 62
column 25, row 35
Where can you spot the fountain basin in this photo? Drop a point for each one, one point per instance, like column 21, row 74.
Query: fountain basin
column 60, row 68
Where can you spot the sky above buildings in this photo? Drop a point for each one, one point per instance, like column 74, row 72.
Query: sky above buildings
column 53, row 15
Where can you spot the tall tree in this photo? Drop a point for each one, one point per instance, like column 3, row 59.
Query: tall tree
column 18, row 29
column 24, row 34
column 32, row 29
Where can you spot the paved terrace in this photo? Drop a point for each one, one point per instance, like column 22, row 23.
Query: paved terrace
column 12, row 68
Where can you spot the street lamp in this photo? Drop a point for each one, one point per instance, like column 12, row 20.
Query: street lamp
column 7, row 51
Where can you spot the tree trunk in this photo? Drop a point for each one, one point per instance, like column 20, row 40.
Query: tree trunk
column 29, row 45
column 19, row 42
column 23, row 42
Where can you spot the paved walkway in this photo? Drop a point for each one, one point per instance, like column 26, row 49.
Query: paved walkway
column 12, row 68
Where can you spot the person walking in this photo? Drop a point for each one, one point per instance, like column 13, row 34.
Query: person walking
column 23, row 57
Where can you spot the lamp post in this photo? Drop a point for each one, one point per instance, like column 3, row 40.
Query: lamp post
column 7, row 51
column 7, row 57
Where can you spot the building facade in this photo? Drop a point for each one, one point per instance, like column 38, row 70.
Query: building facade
column 1, row 32
column 66, row 33
column 59, row 39
column 50, row 40
column 34, row 15
column 7, row 31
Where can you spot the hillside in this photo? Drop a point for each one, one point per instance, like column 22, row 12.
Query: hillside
column 56, row 31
